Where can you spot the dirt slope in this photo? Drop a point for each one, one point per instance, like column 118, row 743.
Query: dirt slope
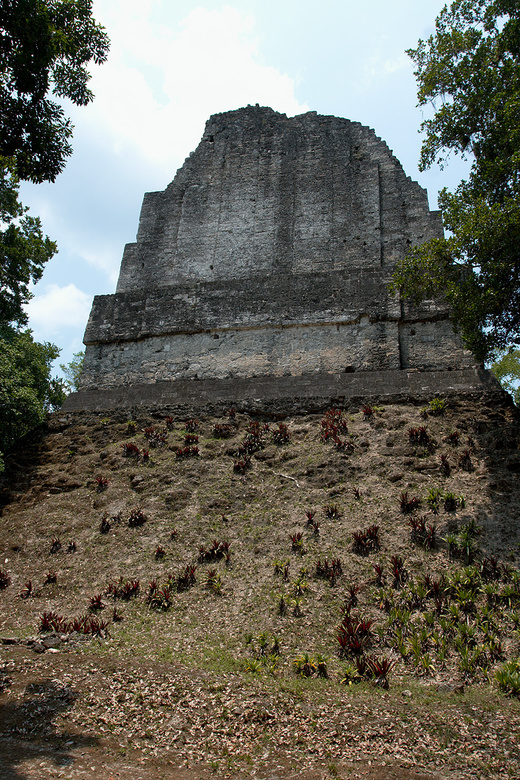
column 263, row 653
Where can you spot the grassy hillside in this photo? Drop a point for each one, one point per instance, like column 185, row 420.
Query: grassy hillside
column 334, row 595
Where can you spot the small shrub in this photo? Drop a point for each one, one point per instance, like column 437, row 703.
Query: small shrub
column 419, row 436
column 297, row 542
column 136, row 518
column 332, row 511
column 51, row 621
column 222, row 430
column 55, row 546
column 508, row 678
column 445, row 467
column 158, row 598
column 159, row 553
column 191, row 439
column 101, row 483
column 155, row 437
column 5, row 579
column 366, row 541
column 104, row 526
column 96, row 603
column 51, row 578
column 216, row 552
column 437, row 406
column 452, row 438
column 27, row 590
column 191, row 426
column 398, row 571
column 241, row 465
column 187, row 452
column 407, row 504
column 186, row 579
column 123, row 589
column 329, row 571
column 130, row 450
column 281, row 435
column 465, row 461
column 423, row 534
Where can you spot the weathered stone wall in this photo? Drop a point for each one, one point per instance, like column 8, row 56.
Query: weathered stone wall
column 269, row 255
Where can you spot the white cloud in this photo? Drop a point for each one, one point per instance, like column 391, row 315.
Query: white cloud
column 162, row 82
column 57, row 309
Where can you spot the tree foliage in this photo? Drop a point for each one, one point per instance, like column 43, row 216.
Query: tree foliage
column 72, row 371
column 469, row 70
column 26, row 390
column 24, row 249
column 507, row 370
column 45, row 48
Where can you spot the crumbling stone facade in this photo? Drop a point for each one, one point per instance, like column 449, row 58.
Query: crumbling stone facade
column 270, row 255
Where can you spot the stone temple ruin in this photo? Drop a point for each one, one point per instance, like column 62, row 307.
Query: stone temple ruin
column 259, row 278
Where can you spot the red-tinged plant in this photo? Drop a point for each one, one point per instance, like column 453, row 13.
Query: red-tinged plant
column 216, row 552
column 281, row 435
column 445, row 466
column 159, row 553
column 357, row 493
column 332, row 511
column 380, row 667
column 379, row 574
column 146, row 456
column 130, row 450
column 5, row 579
column 101, row 483
column 169, row 423
column 231, row 413
column 241, row 465
column 187, row 452
column 352, row 599
column 452, row 438
column 104, row 526
column 55, row 545
column 368, row 412
column 366, row 541
column 98, row 627
column 124, row 589
column 398, row 571
column 51, row 578
column 329, row 571
column 419, row 436
column 117, row 616
column 159, row 598
column 297, row 542
column 136, row 518
column 465, row 462
column 96, row 603
column 309, row 514
column 186, row 579
column 490, row 569
column 51, row 621
column 155, row 437
column 190, row 439
column 71, row 547
column 191, row 426
column 409, row 504
column 27, row 590
column 222, row 430
column 423, row 534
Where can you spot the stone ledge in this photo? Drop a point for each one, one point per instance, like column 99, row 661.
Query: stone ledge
column 287, row 394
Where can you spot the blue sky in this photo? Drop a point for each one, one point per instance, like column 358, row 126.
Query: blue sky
column 173, row 64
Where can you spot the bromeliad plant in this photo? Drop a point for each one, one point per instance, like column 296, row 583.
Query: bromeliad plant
column 366, row 541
